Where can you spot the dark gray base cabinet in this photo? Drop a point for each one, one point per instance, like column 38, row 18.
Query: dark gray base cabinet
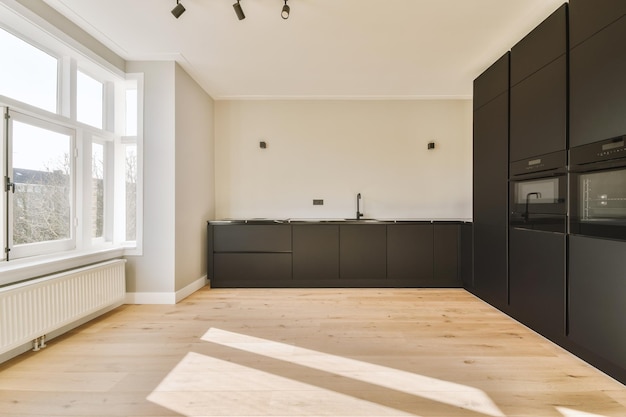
column 315, row 252
column 412, row 254
column 256, row 267
column 363, row 250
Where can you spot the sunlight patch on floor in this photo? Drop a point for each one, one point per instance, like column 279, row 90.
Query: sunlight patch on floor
column 568, row 412
column 441, row 391
column 205, row 386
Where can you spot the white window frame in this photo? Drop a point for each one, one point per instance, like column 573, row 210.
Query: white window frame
column 40, row 248
column 71, row 56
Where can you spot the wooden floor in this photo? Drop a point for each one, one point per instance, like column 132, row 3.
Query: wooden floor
column 347, row 352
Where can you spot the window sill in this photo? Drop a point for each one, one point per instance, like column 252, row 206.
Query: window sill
column 37, row 266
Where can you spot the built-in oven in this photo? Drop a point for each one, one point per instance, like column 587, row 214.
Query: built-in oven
column 538, row 193
column 598, row 189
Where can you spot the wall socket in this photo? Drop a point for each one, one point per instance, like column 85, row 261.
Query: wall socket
column 318, row 202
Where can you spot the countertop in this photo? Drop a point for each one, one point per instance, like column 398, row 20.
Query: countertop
column 337, row 221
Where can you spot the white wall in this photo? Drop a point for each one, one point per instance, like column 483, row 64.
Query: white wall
column 153, row 272
column 333, row 150
column 195, row 183
column 178, row 183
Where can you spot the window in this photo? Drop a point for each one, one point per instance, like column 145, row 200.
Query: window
column 131, row 112
column 42, row 199
column 30, row 75
column 97, row 190
column 89, row 96
column 69, row 149
column 131, row 192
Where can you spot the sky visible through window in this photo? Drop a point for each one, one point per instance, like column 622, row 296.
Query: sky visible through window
column 39, row 149
column 27, row 74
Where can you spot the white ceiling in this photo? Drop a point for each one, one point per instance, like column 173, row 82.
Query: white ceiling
column 357, row 49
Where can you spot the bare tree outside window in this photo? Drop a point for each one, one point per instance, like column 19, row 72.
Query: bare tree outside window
column 41, row 203
column 131, row 192
column 97, row 190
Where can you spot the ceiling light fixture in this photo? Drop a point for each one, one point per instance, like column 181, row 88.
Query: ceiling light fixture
column 239, row 11
column 285, row 12
column 178, row 10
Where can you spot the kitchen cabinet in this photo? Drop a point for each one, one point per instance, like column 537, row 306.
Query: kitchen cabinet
column 538, row 114
column 544, row 44
column 446, row 255
column 597, row 291
column 316, row 252
column 537, row 281
column 338, row 254
column 588, row 17
column 251, row 269
column 252, row 238
column 490, row 192
column 363, row 250
column 493, row 82
column 250, row 255
column 598, row 86
column 410, row 253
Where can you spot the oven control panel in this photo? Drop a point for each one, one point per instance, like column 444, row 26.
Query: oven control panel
column 606, row 150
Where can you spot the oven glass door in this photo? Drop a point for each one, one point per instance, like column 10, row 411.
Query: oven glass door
column 599, row 204
column 539, row 204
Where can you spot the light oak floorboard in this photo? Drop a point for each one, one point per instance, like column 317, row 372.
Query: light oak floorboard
column 307, row 352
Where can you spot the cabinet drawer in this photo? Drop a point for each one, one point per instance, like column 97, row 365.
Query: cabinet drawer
column 262, row 267
column 252, row 238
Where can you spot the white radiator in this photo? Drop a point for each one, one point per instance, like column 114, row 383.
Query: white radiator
column 35, row 308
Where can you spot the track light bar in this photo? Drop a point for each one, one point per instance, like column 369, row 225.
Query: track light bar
column 285, row 12
column 178, row 10
column 239, row 11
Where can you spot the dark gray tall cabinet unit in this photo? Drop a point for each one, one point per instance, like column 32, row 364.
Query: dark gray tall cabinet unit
column 538, row 116
column 597, row 68
column 597, row 272
column 490, row 199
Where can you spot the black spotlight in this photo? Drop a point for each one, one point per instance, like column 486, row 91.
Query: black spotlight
column 178, row 10
column 239, row 11
column 285, row 12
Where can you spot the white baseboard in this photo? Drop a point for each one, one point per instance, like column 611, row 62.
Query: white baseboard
column 191, row 288
column 165, row 297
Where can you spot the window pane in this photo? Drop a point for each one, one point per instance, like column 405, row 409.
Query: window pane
column 27, row 74
column 131, row 112
column 97, row 190
column 89, row 94
column 41, row 172
column 131, row 192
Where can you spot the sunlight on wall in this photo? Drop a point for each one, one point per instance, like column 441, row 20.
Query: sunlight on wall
column 414, row 384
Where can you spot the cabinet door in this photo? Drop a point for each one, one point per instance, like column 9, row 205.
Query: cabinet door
column 410, row 253
column 539, row 112
column 587, row 17
column 252, row 238
column 446, row 255
column 315, row 252
column 598, row 86
column 492, row 82
column 541, row 46
column 597, row 291
column 537, row 281
column 363, row 251
column 490, row 202
column 251, row 269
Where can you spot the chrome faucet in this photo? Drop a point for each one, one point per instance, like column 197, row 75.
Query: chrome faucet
column 358, row 206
